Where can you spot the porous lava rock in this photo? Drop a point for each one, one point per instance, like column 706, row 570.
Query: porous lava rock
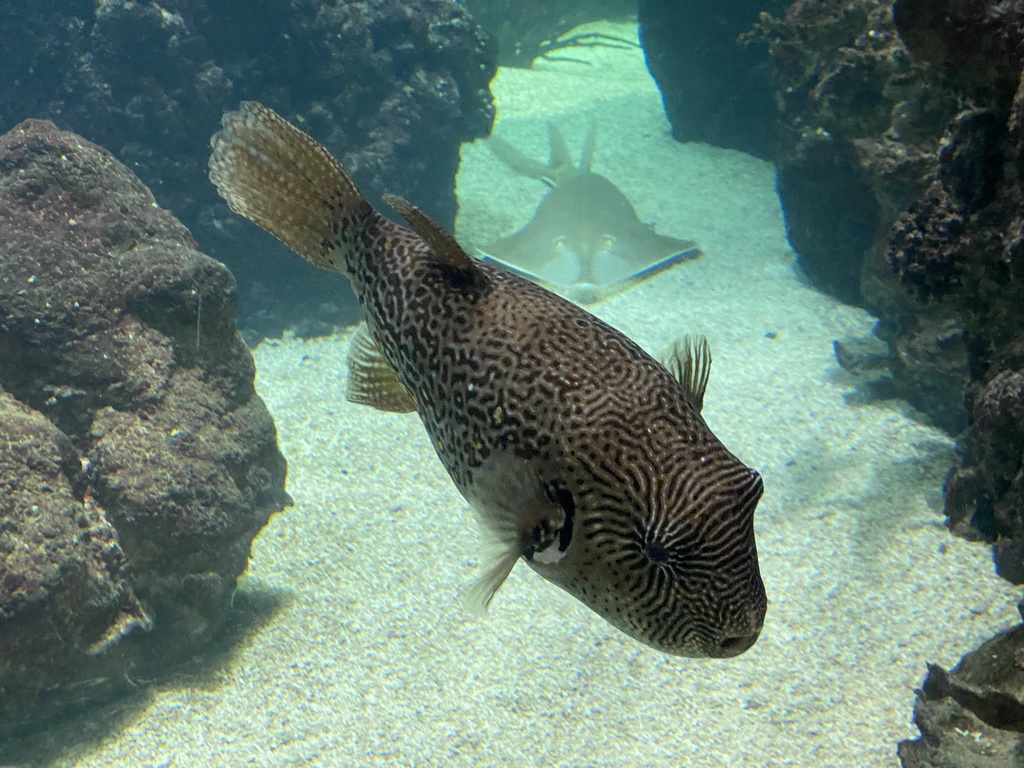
column 913, row 111
column 859, row 126
column 137, row 462
column 960, row 246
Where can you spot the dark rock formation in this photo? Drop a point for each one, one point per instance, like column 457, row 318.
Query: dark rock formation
column 717, row 88
column 830, row 211
column 924, row 100
column 66, row 582
column 916, row 110
column 530, row 29
column 392, row 88
column 861, row 132
column 137, row 463
column 972, row 717
column 859, row 127
column 960, row 246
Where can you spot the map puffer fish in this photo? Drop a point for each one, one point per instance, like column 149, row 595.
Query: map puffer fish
column 579, row 452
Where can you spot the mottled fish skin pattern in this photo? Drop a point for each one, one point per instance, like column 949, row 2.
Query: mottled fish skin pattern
column 658, row 536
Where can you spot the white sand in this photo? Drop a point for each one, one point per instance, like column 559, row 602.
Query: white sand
column 375, row 662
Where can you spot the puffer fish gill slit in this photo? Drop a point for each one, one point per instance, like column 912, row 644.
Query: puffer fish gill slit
column 579, row 452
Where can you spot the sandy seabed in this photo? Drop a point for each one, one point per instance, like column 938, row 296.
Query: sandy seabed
column 372, row 659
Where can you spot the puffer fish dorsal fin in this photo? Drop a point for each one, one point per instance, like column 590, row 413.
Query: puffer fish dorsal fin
column 587, row 155
column 445, row 247
column 371, row 379
column 690, row 363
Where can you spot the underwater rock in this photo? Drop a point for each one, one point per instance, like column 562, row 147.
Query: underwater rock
column 393, row 87
column 960, row 246
column 913, row 111
column 717, row 88
column 923, row 363
column 857, row 111
column 862, row 128
column 138, row 461
column 822, row 181
column 979, row 40
column 972, row 716
column 66, row 589
column 985, row 495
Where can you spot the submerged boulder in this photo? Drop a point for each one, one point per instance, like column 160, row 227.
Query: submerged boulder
column 138, row 463
column 973, row 715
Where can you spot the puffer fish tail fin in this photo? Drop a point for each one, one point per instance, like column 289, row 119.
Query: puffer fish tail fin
column 689, row 362
column 284, row 181
column 372, row 380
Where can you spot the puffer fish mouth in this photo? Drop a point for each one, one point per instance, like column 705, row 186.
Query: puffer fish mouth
column 737, row 644
column 739, row 640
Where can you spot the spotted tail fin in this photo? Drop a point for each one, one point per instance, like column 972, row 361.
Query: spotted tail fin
column 284, row 181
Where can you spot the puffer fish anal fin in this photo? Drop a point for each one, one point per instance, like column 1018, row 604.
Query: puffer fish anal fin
column 689, row 362
column 443, row 245
column 519, row 518
column 371, row 379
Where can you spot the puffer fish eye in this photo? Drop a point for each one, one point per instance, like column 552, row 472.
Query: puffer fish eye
column 655, row 551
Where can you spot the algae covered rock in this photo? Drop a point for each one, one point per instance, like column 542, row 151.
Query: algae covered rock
column 66, row 582
column 137, row 461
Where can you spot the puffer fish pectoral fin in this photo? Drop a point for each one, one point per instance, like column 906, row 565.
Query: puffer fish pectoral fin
column 520, row 517
column 443, row 245
column 372, row 380
column 283, row 180
column 690, row 363
column 499, row 560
